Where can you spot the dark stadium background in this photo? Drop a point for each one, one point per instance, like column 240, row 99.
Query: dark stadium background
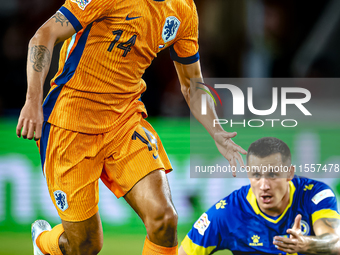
column 238, row 38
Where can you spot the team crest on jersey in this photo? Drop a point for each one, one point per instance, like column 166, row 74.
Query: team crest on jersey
column 202, row 224
column 60, row 199
column 304, row 227
column 82, row 3
column 170, row 28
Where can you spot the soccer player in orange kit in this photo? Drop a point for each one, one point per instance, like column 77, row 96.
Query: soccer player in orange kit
column 91, row 124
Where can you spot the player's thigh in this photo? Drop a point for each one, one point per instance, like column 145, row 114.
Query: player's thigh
column 134, row 151
column 72, row 166
column 151, row 197
column 135, row 168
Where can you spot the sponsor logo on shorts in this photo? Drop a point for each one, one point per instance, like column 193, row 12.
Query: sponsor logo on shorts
column 202, row 224
column 61, row 200
column 82, row 3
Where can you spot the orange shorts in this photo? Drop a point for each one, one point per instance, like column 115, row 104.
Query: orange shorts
column 73, row 163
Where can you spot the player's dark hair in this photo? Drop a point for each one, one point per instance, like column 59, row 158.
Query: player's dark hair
column 267, row 146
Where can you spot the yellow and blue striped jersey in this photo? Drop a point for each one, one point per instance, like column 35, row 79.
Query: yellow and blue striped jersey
column 237, row 224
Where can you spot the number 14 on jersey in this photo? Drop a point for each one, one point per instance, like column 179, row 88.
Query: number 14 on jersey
column 126, row 46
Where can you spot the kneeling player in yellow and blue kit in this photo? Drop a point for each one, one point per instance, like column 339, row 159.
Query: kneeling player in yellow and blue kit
column 278, row 213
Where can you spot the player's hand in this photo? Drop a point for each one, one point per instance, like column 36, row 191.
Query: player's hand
column 296, row 243
column 30, row 120
column 230, row 150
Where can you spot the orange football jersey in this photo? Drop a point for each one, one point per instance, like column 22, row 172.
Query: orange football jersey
column 100, row 71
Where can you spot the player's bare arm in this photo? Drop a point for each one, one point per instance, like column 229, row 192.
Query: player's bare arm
column 192, row 95
column 40, row 49
column 325, row 241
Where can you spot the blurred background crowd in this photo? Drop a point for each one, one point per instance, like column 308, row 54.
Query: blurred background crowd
column 238, row 38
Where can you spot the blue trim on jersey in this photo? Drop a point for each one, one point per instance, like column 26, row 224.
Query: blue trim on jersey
column 50, row 101
column 185, row 61
column 74, row 59
column 140, row 99
column 43, row 142
column 68, row 72
column 71, row 18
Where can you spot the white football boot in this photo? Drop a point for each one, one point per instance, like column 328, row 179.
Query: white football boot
column 37, row 228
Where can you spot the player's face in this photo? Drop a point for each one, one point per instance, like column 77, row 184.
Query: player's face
column 269, row 179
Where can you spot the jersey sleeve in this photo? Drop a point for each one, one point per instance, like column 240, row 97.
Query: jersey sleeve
column 205, row 236
column 81, row 13
column 322, row 202
column 185, row 49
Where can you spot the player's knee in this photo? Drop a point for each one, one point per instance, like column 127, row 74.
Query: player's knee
column 170, row 219
column 162, row 219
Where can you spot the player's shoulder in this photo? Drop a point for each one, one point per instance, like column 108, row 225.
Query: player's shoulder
column 187, row 3
column 311, row 190
column 239, row 194
column 234, row 201
column 221, row 215
column 190, row 4
column 184, row 6
column 304, row 183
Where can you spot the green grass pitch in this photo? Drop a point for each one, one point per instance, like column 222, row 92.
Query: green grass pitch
column 127, row 244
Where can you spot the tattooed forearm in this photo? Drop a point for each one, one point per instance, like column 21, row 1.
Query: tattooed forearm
column 323, row 244
column 40, row 56
column 332, row 223
column 59, row 17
